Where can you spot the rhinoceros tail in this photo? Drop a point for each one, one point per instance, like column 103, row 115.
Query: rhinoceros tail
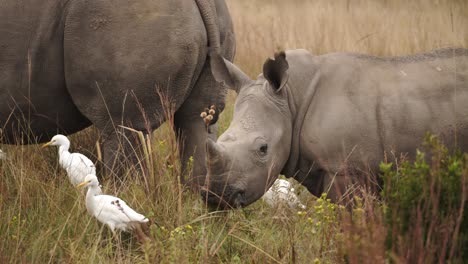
column 210, row 19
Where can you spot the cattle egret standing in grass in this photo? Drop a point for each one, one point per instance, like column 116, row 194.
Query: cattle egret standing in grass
column 76, row 165
column 282, row 192
column 111, row 210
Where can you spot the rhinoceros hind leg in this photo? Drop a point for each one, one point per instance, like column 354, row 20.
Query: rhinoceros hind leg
column 121, row 153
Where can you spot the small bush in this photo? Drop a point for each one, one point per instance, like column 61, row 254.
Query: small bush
column 426, row 209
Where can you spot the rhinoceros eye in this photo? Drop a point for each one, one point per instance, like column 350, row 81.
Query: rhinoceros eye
column 263, row 149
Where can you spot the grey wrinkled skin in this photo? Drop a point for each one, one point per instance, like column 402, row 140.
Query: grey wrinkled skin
column 329, row 120
column 65, row 65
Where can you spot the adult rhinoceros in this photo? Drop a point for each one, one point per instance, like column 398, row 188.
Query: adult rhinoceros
column 329, row 120
column 65, row 65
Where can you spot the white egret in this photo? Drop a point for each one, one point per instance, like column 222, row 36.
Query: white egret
column 76, row 165
column 282, row 192
column 110, row 210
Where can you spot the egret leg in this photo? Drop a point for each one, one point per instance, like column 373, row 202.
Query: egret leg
column 140, row 234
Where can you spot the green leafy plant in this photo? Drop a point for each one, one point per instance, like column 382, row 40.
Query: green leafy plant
column 426, row 206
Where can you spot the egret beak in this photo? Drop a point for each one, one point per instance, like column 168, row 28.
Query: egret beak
column 82, row 184
column 46, row 144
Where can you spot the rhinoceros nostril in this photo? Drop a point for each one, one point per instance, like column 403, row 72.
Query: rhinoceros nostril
column 238, row 200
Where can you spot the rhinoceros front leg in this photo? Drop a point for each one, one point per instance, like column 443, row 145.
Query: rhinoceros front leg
column 191, row 130
column 347, row 183
column 191, row 135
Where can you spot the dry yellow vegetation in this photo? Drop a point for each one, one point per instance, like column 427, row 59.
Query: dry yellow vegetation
column 377, row 27
column 43, row 217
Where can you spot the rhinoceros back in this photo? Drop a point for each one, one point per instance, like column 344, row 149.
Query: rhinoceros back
column 33, row 96
column 368, row 109
column 72, row 63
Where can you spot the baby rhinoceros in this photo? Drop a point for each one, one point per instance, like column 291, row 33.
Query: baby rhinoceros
column 329, row 120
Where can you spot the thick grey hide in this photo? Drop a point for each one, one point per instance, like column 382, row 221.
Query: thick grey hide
column 65, row 65
column 329, row 120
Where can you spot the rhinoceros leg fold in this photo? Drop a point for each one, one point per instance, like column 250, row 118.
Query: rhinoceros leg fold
column 190, row 128
column 191, row 137
column 122, row 150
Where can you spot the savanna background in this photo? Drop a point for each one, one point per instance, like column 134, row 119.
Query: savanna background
column 43, row 218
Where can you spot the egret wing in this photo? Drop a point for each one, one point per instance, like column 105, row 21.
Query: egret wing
column 107, row 212
column 132, row 214
column 78, row 167
column 113, row 209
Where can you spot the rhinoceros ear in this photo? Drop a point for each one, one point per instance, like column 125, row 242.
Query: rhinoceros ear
column 276, row 71
column 225, row 71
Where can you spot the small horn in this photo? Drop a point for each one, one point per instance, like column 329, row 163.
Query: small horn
column 215, row 158
column 213, row 151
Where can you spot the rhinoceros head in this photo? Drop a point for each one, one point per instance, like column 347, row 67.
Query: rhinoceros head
column 250, row 154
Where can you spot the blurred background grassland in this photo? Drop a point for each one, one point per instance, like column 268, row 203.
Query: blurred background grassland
column 43, row 218
column 377, row 27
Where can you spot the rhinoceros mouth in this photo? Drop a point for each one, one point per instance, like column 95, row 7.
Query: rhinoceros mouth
column 230, row 199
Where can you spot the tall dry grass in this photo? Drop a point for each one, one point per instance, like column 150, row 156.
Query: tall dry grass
column 378, row 27
column 43, row 218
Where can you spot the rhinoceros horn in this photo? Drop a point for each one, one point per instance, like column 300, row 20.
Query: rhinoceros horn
column 215, row 158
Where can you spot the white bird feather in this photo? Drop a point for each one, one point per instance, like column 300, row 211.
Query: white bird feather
column 76, row 165
column 282, row 192
column 109, row 210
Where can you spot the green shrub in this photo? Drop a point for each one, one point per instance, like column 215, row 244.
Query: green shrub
column 426, row 213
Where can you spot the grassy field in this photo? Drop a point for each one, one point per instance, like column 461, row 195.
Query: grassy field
column 43, row 218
